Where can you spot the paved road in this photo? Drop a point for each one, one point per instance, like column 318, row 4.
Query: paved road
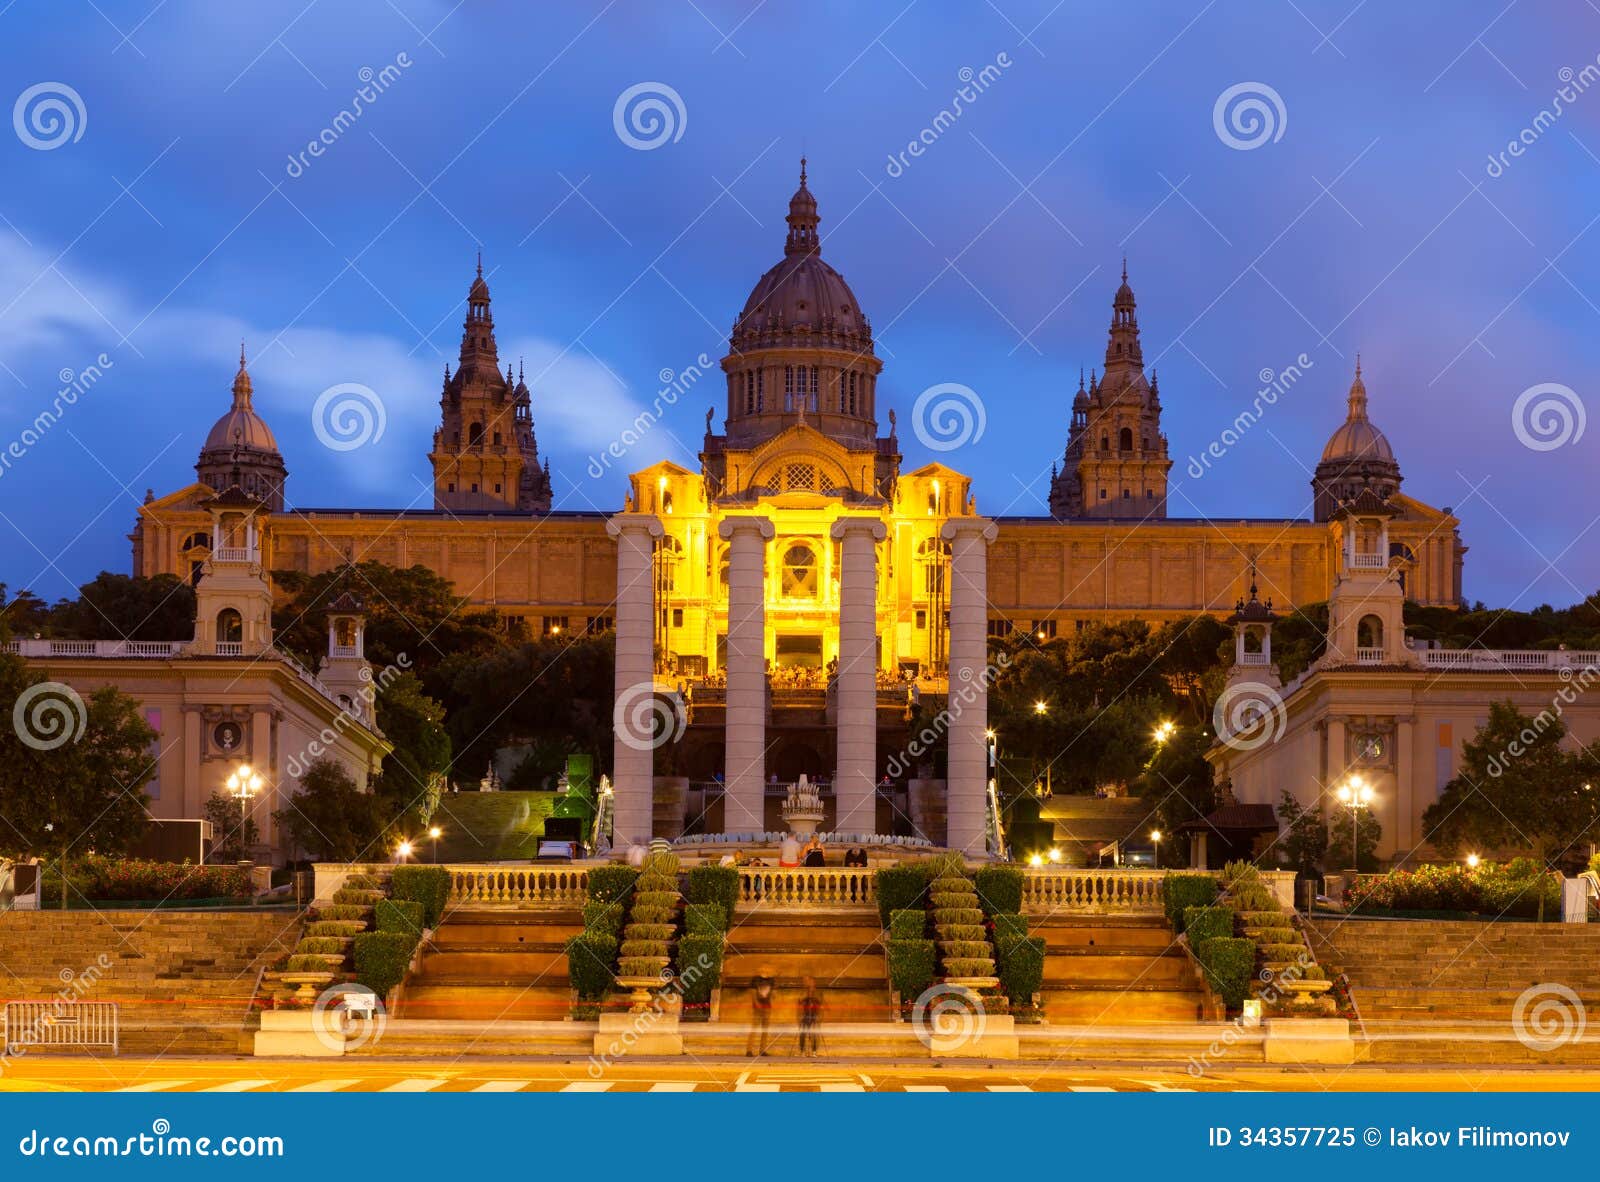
column 361, row 1074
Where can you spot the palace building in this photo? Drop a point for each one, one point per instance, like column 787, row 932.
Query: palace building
column 801, row 585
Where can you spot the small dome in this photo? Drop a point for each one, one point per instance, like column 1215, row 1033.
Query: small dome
column 241, row 426
column 802, row 290
column 1357, row 438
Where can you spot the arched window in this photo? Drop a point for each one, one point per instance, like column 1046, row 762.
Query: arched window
column 799, row 572
column 1369, row 632
column 1125, row 439
column 1105, row 442
column 475, row 435
column 230, row 626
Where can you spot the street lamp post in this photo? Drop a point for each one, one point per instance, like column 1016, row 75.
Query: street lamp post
column 1155, row 845
column 434, row 833
column 1355, row 795
column 242, row 784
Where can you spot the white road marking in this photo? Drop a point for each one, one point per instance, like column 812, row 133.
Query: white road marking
column 414, row 1085
column 1009, row 1088
column 503, row 1085
column 926, row 1088
column 755, row 1087
column 674, row 1086
column 1087, row 1088
column 239, row 1085
column 836, row 1087
column 325, row 1085
column 1155, row 1085
column 160, row 1085
column 584, row 1085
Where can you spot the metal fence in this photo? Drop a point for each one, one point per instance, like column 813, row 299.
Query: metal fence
column 30, row 1024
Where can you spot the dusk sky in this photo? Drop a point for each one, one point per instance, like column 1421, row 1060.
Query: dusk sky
column 1368, row 208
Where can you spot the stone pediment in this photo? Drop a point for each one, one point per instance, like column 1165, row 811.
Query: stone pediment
column 189, row 499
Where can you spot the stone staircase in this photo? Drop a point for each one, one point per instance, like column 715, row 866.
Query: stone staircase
column 184, row 980
column 1120, row 970
column 841, row 948
column 488, row 966
column 1441, row 991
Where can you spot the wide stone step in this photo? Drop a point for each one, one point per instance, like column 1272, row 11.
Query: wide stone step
column 486, row 1002
column 1129, row 970
column 1092, row 1005
column 464, row 965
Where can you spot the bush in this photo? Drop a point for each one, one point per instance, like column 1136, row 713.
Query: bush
column 909, row 924
column 705, row 919
column 1283, row 953
column 602, row 918
column 949, row 864
column 1179, row 892
column 999, row 889
column 910, row 967
column 335, row 927
column 428, row 885
column 1206, row 923
column 1229, row 965
column 610, row 884
column 321, row 945
column 590, row 958
column 1514, row 889
column 127, row 880
column 957, row 931
column 964, row 949
column 969, row 966
column 305, row 962
column 381, row 959
column 699, row 967
column 398, row 915
column 1008, row 928
column 901, row 888
column 1021, row 965
column 715, row 884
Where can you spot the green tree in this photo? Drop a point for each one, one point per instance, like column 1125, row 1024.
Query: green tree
column 232, row 840
column 24, row 614
column 127, row 607
column 1366, row 828
column 412, row 611
column 72, row 769
column 330, row 818
column 1518, row 788
column 1178, row 782
column 413, row 773
column 1305, row 837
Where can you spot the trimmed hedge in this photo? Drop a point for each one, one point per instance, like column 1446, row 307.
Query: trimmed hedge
column 381, row 959
column 610, row 884
column 1021, row 965
column 398, row 915
column 1229, row 965
column 910, row 967
column 1179, row 892
column 428, row 885
column 909, row 924
column 342, row 912
column 705, row 919
column 1008, row 928
column 1207, row 923
column 901, row 888
column 715, row 884
column 699, row 967
column 603, row 919
column 999, row 889
column 589, row 960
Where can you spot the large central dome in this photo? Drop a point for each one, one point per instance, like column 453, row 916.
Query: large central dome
column 802, row 301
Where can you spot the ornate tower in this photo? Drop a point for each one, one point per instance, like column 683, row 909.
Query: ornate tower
column 1116, row 460
column 233, row 600
column 241, row 450
column 345, row 670
column 484, row 454
column 802, row 347
column 1357, row 457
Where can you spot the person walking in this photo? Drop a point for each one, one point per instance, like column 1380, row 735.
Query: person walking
column 761, row 991
column 810, row 1018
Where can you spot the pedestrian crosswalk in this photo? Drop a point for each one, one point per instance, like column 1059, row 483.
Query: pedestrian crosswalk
column 754, row 1082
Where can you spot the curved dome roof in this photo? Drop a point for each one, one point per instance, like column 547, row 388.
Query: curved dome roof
column 802, row 300
column 1357, row 438
column 241, row 426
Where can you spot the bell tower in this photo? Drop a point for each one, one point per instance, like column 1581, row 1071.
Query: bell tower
column 484, row 453
column 233, row 600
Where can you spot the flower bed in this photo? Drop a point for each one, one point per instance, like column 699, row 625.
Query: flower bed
column 125, row 880
column 1512, row 890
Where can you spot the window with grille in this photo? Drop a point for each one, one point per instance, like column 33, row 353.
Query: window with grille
column 799, row 478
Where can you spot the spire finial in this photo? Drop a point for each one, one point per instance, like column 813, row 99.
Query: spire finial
column 1124, row 268
column 480, row 263
column 241, row 353
column 802, row 172
column 1358, row 363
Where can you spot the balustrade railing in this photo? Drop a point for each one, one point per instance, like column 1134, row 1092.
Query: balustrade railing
column 519, row 886
column 1484, row 658
column 1126, row 891
column 807, row 886
column 1369, row 656
column 1359, row 561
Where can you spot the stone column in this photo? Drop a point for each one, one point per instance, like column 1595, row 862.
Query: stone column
column 968, row 763
column 856, row 691
column 744, row 771
column 633, row 749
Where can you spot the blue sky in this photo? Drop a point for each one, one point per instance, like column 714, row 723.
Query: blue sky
column 174, row 225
